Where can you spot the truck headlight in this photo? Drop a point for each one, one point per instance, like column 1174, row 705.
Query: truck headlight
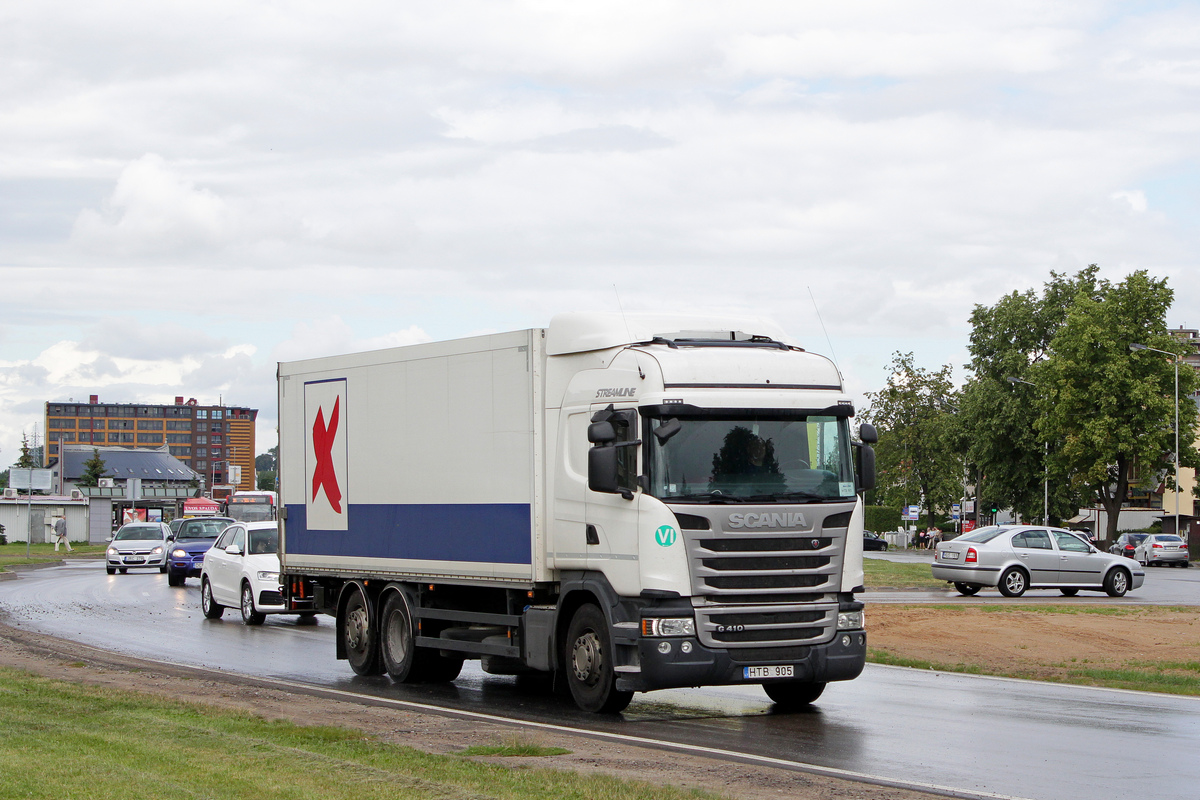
column 264, row 575
column 850, row 620
column 668, row 626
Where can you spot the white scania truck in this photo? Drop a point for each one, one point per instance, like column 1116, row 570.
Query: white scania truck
column 629, row 503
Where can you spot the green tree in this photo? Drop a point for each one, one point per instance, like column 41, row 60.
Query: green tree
column 916, row 459
column 93, row 469
column 266, row 480
column 28, row 459
column 1005, row 451
column 268, row 461
column 1112, row 410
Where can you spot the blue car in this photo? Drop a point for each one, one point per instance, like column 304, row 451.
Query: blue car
column 192, row 541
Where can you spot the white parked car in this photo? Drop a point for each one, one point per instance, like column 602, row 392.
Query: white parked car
column 242, row 569
column 138, row 544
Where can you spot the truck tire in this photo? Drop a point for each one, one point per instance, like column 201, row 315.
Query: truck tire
column 589, row 665
column 403, row 661
column 360, row 636
column 791, row 695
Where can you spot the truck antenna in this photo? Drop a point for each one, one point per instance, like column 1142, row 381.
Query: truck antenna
column 624, row 319
column 827, row 339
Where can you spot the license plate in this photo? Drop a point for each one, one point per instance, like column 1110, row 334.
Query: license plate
column 134, row 560
column 949, row 555
column 757, row 673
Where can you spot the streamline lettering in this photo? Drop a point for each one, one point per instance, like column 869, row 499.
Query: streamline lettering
column 793, row 519
column 616, row 392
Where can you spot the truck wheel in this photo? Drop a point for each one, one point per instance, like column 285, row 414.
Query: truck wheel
column 790, row 695
column 211, row 608
column 402, row 659
column 397, row 647
column 360, row 638
column 588, row 664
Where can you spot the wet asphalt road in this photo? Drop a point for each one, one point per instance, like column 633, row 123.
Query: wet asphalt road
column 978, row 735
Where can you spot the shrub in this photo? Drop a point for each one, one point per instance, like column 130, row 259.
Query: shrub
column 881, row 518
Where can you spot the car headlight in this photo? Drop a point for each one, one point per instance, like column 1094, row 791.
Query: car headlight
column 179, row 554
column 265, row 575
column 156, row 551
column 851, row 620
column 114, row 552
column 668, row 626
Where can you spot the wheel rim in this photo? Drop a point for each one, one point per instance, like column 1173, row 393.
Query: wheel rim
column 1119, row 582
column 206, row 598
column 356, row 627
column 1015, row 582
column 247, row 602
column 397, row 638
column 587, row 659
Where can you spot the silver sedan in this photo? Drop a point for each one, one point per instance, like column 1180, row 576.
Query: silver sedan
column 1014, row 558
column 1161, row 548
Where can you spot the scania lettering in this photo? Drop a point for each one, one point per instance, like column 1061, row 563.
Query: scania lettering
column 626, row 503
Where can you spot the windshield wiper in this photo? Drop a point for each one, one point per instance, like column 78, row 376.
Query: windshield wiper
column 712, row 497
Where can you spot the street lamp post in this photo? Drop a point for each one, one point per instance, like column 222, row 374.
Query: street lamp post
column 1045, row 465
column 1135, row 347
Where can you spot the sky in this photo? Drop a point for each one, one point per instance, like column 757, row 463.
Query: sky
column 190, row 193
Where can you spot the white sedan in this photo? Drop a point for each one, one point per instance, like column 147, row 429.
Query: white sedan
column 242, row 569
column 138, row 544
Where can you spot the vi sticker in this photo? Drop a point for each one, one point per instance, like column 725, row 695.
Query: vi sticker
column 666, row 535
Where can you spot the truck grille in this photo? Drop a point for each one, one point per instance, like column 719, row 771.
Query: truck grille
column 766, row 591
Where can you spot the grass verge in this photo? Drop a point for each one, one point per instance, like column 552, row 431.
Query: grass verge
column 879, row 573
column 63, row 740
column 14, row 553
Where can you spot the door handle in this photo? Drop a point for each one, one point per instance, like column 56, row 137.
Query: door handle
column 592, row 536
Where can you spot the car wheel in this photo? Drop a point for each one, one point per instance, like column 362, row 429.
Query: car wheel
column 1186, row 564
column 111, row 570
column 791, row 695
column 359, row 635
column 211, row 608
column 249, row 615
column 1013, row 582
column 966, row 589
column 163, row 568
column 588, row 663
column 1116, row 582
column 175, row 580
column 884, row 548
column 123, row 570
column 1069, row 592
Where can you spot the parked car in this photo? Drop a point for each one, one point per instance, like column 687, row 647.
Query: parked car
column 1161, row 548
column 242, row 569
column 192, row 540
column 175, row 523
column 1126, row 543
column 1014, row 558
column 138, row 544
column 873, row 541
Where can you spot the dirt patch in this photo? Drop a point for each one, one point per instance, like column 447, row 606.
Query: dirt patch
column 1029, row 643
column 69, row 661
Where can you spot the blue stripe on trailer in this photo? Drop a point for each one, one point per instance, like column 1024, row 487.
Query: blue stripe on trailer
column 489, row 533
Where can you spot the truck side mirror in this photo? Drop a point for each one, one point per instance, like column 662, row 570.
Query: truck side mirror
column 867, row 433
column 602, row 432
column 667, row 429
column 866, row 467
column 602, row 469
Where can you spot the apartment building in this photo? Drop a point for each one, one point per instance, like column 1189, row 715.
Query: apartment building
column 216, row 441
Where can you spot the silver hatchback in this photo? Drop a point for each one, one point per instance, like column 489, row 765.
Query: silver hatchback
column 1014, row 558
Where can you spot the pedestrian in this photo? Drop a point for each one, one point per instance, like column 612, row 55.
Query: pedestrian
column 60, row 534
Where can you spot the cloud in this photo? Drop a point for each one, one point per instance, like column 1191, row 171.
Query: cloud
column 332, row 336
column 153, row 211
column 129, row 337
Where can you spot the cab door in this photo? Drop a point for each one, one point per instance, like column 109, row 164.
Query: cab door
column 611, row 520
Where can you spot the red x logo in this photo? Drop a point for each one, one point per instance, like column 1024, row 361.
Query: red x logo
column 324, row 474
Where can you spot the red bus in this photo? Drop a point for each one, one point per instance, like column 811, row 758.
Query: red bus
column 251, row 506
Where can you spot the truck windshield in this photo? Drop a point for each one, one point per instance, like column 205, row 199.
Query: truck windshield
column 747, row 459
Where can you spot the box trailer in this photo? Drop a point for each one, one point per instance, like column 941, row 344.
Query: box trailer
column 626, row 502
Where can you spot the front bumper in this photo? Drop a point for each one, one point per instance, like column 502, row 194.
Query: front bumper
column 129, row 561
column 189, row 566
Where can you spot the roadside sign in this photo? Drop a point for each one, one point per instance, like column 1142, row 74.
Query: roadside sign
column 955, row 510
column 968, row 525
column 912, row 512
column 968, row 507
column 40, row 480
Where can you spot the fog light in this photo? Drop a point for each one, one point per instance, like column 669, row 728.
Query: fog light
column 685, row 647
column 664, row 647
column 845, row 641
